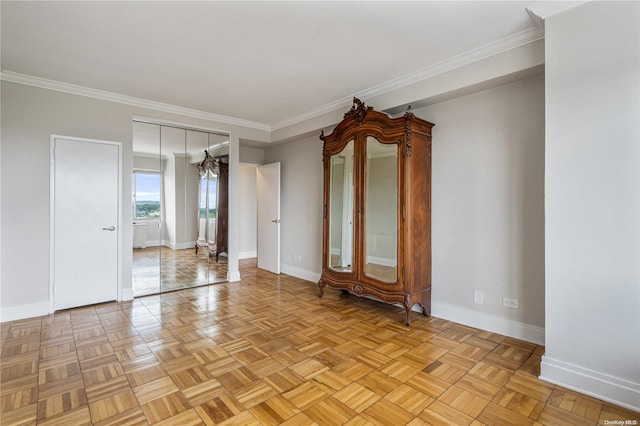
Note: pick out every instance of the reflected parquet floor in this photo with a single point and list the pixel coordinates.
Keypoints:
(161, 269)
(268, 351)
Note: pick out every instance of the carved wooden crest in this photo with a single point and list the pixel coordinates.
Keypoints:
(407, 142)
(408, 116)
(358, 110)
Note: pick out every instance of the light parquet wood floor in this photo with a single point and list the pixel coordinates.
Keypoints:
(268, 351)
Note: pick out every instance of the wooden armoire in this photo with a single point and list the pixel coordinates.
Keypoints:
(377, 208)
(222, 210)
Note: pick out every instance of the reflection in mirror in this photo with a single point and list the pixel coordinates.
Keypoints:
(174, 241)
(381, 222)
(341, 210)
(147, 212)
(213, 206)
(166, 209)
(208, 173)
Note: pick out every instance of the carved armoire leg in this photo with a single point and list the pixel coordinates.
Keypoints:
(407, 308)
(321, 285)
(407, 321)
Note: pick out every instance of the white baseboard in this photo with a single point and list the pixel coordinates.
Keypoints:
(233, 276)
(147, 244)
(183, 246)
(127, 294)
(14, 313)
(247, 254)
(495, 324)
(382, 261)
(180, 246)
(589, 382)
(304, 274)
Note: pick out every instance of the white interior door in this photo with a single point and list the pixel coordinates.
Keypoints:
(85, 200)
(268, 189)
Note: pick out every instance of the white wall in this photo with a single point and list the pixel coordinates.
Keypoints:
(169, 210)
(593, 201)
(337, 205)
(191, 207)
(300, 206)
(251, 155)
(382, 208)
(29, 117)
(147, 163)
(248, 219)
(488, 208)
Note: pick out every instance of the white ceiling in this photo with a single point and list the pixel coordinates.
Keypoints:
(265, 62)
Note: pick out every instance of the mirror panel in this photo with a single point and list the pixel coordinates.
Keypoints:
(147, 212)
(173, 152)
(341, 210)
(381, 222)
(197, 261)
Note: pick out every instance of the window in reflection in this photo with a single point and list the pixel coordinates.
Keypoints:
(341, 210)
(381, 223)
(146, 195)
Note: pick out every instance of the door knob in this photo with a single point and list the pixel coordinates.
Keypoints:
(110, 228)
(276, 221)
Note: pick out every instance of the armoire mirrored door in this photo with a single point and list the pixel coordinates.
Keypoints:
(169, 198)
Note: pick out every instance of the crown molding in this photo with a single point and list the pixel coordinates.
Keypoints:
(504, 45)
(541, 10)
(492, 49)
(59, 86)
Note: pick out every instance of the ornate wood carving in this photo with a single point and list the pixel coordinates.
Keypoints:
(408, 116)
(358, 110)
(407, 142)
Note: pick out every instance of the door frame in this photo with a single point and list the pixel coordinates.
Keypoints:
(52, 193)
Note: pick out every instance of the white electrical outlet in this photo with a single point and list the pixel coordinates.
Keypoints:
(478, 297)
(510, 303)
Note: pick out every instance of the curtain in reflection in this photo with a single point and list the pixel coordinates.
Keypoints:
(207, 171)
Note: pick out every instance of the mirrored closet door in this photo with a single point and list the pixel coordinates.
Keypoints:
(175, 208)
